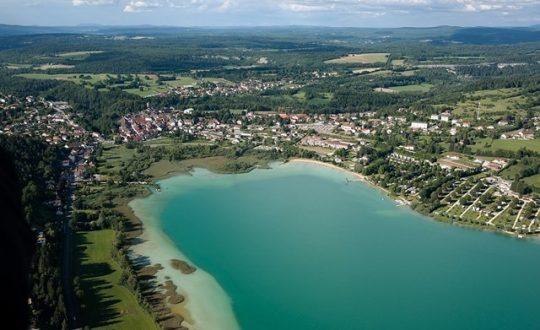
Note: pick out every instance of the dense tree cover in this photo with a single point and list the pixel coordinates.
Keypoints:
(10, 85)
(39, 172)
(495, 35)
(292, 56)
(95, 110)
(527, 166)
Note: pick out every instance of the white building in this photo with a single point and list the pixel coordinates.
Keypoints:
(419, 125)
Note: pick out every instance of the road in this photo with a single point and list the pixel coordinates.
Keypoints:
(490, 222)
(457, 202)
(534, 220)
(519, 215)
(72, 307)
(475, 201)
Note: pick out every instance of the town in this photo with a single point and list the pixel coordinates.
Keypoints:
(473, 192)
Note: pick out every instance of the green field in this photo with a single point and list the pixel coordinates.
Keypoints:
(322, 98)
(491, 103)
(113, 158)
(408, 73)
(76, 78)
(216, 81)
(79, 55)
(217, 164)
(512, 145)
(366, 70)
(420, 88)
(168, 142)
(511, 172)
(105, 304)
(149, 81)
(367, 58)
(383, 73)
(533, 180)
(14, 66)
(50, 66)
(385, 90)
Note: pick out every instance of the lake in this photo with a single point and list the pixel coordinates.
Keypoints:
(302, 246)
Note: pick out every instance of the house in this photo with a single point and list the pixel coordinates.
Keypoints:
(445, 116)
(348, 128)
(419, 125)
(283, 116)
(365, 131)
(495, 165)
(318, 142)
(520, 134)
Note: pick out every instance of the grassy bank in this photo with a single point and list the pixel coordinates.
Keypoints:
(510, 145)
(105, 303)
(217, 164)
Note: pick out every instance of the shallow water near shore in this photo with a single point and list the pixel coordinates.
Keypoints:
(302, 246)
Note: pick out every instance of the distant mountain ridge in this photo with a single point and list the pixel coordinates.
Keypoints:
(438, 34)
(482, 35)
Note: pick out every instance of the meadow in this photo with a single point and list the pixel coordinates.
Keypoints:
(105, 303)
(489, 103)
(114, 157)
(150, 83)
(398, 62)
(80, 55)
(533, 180)
(367, 58)
(418, 88)
(511, 145)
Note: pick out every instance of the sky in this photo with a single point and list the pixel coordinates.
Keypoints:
(353, 13)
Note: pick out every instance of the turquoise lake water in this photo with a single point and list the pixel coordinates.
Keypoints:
(298, 247)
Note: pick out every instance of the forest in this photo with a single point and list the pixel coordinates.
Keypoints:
(296, 60)
(38, 166)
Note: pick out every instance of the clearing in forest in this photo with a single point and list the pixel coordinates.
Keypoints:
(367, 58)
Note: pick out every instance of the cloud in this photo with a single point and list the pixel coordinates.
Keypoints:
(139, 6)
(307, 7)
(93, 2)
(503, 6)
(349, 6)
(316, 9)
(201, 5)
(364, 7)
(225, 5)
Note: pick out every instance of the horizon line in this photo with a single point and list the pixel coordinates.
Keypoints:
(90, 25)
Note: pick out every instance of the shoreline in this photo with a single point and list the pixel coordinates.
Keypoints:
(362, 178)
(403, 202)
(153, 239)
(193, 287)
(150, 236)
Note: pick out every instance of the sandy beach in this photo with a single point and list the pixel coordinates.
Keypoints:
(206, 305)
(359, 176)
(320, 163)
